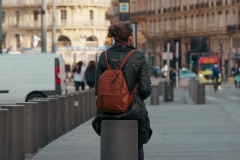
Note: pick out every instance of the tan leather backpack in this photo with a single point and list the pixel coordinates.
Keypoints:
(113, 95)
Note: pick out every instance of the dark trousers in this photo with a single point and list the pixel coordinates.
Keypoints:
(90, 84)
(140, 152)
(77, 84)
(237, 84)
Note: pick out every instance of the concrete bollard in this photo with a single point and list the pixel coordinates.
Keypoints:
(74, 117)
(92, 102)
(31, 127)
(52, 118)
(161, 88)
(154, 100)
(80, 107)
(89, 104)
(86, 105)
(42, 122)
(61, 114)
(119, 140)
(4, 133)
(68, 113)
(168, 91)
(201, 93)
(16, 131)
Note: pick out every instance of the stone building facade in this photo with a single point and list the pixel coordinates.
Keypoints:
(81, 27)
(202, 27)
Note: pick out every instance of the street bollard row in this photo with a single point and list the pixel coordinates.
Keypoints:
(197, 91)
(26, 127)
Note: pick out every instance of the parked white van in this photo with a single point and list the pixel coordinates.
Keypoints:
(30, 76)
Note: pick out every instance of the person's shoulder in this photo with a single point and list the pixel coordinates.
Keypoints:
(138, 53)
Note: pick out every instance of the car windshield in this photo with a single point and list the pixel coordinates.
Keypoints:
(205, 67)
(186, 72)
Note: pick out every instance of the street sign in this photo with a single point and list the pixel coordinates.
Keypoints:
(124, 10)
(124, 7)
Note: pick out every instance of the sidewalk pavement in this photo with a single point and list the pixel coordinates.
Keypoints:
(180, 132)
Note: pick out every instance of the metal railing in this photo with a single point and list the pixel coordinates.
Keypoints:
(31, 125)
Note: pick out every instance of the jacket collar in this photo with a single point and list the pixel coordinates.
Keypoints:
(116, 44)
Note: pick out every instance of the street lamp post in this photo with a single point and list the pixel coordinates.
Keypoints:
(43, 27)
(1, 26)
(53, 26)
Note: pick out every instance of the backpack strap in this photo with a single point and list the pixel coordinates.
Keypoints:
(126, 58)
(106, 57)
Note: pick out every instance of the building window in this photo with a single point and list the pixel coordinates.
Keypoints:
(212, 19)
(166, 26)
(63, 16)
(227, 19)
(220, 19)
(185, 22)
(17, 16)
(154, 26)
(35, 15)
(159, 26)
(192, 22)
(91, 14)
(197, 21)
(18, 41)
(3, 17)
(207, 23)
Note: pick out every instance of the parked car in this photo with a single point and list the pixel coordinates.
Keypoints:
(187, 74)
(25, 77)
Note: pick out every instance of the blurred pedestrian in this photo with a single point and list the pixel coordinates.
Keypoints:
(78, 75)
(90, 74)
(236, 74)
(135, 72)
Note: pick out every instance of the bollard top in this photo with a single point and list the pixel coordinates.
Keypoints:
(4, 110)
(26, 103)
(12, 106)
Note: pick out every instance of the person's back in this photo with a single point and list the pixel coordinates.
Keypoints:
(135, 70)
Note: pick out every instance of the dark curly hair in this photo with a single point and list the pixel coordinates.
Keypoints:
(120, 31)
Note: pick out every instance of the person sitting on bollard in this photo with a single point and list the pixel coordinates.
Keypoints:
(135, 71)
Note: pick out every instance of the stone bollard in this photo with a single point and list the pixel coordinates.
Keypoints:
(154, 100)
(61, 114)
(89, 104)
(42, 122)
(168, 91)
(74, 114)
(16, 131)
(84, 113)
(119, 140)
(201, 94)
(161, 88)
(31, 127)
(4, 134)
(94, 102)
(86, 106)
(80, 107)
(52, 118)
(68, 113)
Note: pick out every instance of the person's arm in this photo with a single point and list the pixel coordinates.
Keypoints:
(144, 80)
(101, 67)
